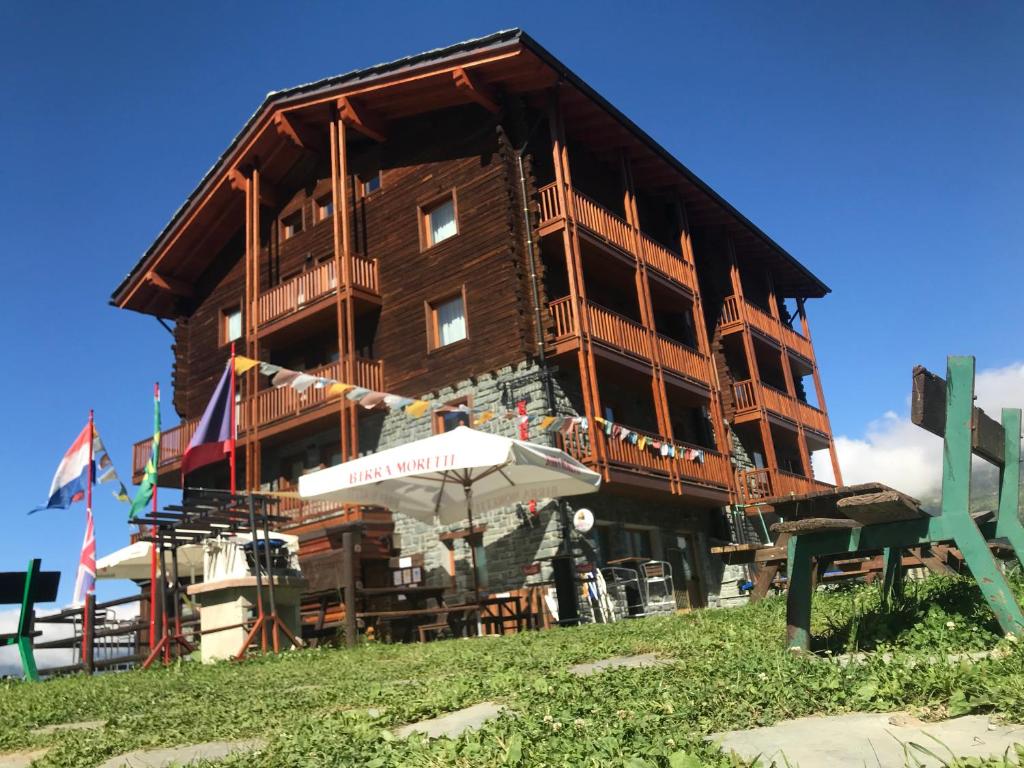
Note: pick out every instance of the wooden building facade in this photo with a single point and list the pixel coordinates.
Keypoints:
(479, 213)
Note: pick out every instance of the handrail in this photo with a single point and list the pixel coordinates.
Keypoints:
(751, 395)
(618, 232)
(734, 311)
(312, 285)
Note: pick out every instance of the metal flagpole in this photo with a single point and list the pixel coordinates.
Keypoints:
(234, 426)
(87, 616)
(152, 552)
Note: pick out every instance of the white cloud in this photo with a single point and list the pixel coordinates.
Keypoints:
(895, 452)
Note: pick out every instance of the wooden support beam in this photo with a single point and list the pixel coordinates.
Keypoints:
(358, 118)
(268, 195)
(170, 284)
(470, 86)
(928, 411)
(296, 131)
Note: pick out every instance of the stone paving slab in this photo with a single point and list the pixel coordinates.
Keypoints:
(21, 759)
(85, 725)
(641, 660)
(179, 756)
(453, 724)
(870, 739)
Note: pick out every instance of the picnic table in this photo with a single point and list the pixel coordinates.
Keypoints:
(848, 522)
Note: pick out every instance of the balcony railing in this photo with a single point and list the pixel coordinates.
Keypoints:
(714, 471)
(632, 338)
(301, 510)
(299, 292)
(735, 311)
(760, 484)
(751, 395)
(617, 231)
(683, 360)
(272, 405)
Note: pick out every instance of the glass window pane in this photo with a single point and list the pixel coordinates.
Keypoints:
(234, 324)
(442, 222)
(451, 322)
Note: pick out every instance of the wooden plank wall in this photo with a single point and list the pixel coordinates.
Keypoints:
(462, 149)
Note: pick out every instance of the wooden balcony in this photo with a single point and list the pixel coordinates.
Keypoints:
(735, 313)
(301, 511)
(305, 290)
(274, 408)
(714, 473)
(630, 338)
(609, 228)
(752, 397)
(755, 485)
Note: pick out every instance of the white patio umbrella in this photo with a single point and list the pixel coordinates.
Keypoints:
(447, 477)
(132, 561)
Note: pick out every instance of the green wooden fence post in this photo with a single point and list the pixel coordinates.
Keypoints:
(892, 575)
(1008, 522)
(25, 622)
(956, 496)
(799, 589)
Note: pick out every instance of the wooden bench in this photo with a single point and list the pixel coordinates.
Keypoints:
(26, 589)
(890, 523)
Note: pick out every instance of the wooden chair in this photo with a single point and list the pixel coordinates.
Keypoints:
(28, 588)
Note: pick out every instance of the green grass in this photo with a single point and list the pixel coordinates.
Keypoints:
(732, 672)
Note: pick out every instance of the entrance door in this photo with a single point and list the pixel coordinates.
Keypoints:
(681, 557)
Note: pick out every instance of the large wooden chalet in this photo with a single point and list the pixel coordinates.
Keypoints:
(476, 225)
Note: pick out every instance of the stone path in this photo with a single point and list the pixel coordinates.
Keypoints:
(870, 739)
(168, 756)
(21, 759)
(85, 725)
(642, 660)
(453, 724)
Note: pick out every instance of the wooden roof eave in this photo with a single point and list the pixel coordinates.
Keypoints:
(325, 92)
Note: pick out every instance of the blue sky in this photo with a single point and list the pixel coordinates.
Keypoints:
(878, 144)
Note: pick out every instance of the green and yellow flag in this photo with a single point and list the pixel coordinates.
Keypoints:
(145, 492)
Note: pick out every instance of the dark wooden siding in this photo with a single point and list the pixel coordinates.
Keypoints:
(464, 150)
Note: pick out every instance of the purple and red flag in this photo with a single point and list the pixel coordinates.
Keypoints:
(214, 438)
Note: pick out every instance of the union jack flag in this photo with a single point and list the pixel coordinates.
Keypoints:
(85, 582)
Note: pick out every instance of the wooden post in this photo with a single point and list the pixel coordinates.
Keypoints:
(348, 584)
(799, 567)
(1008, 522)
(659, 394)
(802, 309)
(700, 325)
(956, 496)
(339, 201)
(577, 286)
(892, 575)
(88, 632)
(767, 443)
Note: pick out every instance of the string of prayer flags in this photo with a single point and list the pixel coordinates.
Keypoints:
(243, 364)
(336, 388)
(417, 408)
(484, 417)
(643, 442)
(546, 422)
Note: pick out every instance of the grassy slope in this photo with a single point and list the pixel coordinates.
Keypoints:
(732, 673)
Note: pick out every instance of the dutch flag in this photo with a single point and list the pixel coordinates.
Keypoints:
(71, 478)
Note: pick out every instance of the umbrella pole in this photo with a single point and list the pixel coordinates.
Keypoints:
(472, 554)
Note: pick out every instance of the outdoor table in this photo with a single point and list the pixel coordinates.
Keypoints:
(403, 619)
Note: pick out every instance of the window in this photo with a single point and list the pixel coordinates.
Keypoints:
(446, 421)
(324, 208)
(439, 221)
(371, 184)
(231, 325)
(292, 225)
(447, 321)
(637, 542)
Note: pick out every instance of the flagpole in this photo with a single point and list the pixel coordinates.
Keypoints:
(234, 426)
(152, 554)
(87, 614)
